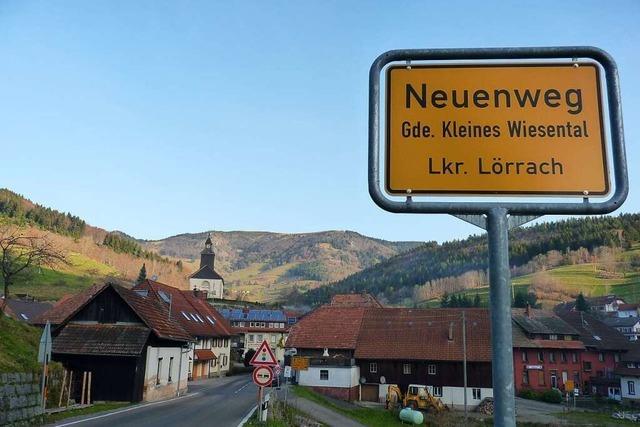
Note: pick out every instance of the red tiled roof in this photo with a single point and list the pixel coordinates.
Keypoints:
(68, 305)
(423, 334)
(521, 340)
(189, 310)
(153, 314)
(203, 354)
(327, 327)
(355, 300)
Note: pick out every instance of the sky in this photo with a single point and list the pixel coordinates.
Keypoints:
(159, 118)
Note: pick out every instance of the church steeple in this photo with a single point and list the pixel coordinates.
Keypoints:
(207, 256)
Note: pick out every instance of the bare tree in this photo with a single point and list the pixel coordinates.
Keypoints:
(20, 252)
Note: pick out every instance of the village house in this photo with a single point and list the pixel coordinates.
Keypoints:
(24, 309)
(209, 354)
(628, 310)
(356, 349)
(604, 348)
(328, 337)
(629, 326)
(206, 279)
(252, 326)
(128, 341)
(405, 346)
(546, 351)
(628, 372)
(607, 304)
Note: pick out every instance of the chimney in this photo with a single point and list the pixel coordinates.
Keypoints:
(527, 311)
(450, 337)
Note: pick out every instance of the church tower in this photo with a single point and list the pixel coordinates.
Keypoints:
(206, 279)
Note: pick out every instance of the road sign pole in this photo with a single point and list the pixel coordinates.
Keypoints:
(500, 301)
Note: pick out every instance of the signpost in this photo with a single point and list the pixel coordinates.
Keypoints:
(44, 356)
(264, 361)
(299, 363)
(516, 124)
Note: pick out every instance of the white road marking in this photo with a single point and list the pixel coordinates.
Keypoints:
(133, 408)
(245, 419)
(241, 388)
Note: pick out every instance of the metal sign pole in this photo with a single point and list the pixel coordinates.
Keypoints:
(500, 300)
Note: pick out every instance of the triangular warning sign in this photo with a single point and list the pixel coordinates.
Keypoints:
(264, 356)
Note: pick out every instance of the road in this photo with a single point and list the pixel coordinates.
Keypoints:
(222, 402)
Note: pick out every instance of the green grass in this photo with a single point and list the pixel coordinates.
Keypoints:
(18, 346)
(98, 407)
(46, 284)
(593, 419)
(573, 279)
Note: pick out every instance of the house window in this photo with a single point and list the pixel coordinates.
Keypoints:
(431, 369)
(524, 356)
(616, 357)
(586, 366)
(574, 357)
(630, 365)
(552, 357)
(373, 367)
(406, 368)
(251, 338)
(540, 377)
(563, 357)
(600, 357)
(225, 359)
(273, 339)
(260, 337)
(477, 395)
(553, 337)
(540, 356)
(159, 371)
(525, 377)
(437, 391)
(631, 386)
(324, 374)
(170, 368)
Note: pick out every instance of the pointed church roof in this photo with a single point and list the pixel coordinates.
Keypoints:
(206, 272)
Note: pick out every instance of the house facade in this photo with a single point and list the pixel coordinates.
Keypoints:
(604, 348)
(628, 310)
(356, 351)
(628, 374)
(253, 326)
(126, 340)
(209, 353)
(546, 351)
(628, 326)
(206, 279)
(404, 346)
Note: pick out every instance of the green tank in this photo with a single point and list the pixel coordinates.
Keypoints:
(410, 416)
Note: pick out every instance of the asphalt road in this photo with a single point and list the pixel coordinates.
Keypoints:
(222, 402)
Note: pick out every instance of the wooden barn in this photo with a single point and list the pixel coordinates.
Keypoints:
(129, 343)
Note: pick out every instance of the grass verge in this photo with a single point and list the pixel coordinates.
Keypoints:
(18, 346)
(98, 407)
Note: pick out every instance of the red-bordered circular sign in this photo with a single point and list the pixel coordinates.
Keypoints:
(262, 376)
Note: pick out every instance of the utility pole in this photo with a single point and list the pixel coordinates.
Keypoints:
(464, 360)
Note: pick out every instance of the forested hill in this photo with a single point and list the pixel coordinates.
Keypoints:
(449, 266)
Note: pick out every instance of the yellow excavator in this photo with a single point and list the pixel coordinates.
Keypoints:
(417, 397)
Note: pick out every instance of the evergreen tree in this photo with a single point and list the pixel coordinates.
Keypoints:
(444, 301)
(581, 303)
(142, 276)
(476, 301)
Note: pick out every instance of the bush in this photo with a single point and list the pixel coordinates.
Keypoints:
(551, 396)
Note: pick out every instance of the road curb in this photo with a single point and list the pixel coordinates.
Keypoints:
(246, 418)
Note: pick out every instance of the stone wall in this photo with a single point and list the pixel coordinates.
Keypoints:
(20, 402)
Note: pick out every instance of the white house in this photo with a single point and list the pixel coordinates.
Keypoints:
(629, 326)
(206, 279)
(628, 310)
(629, 373)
